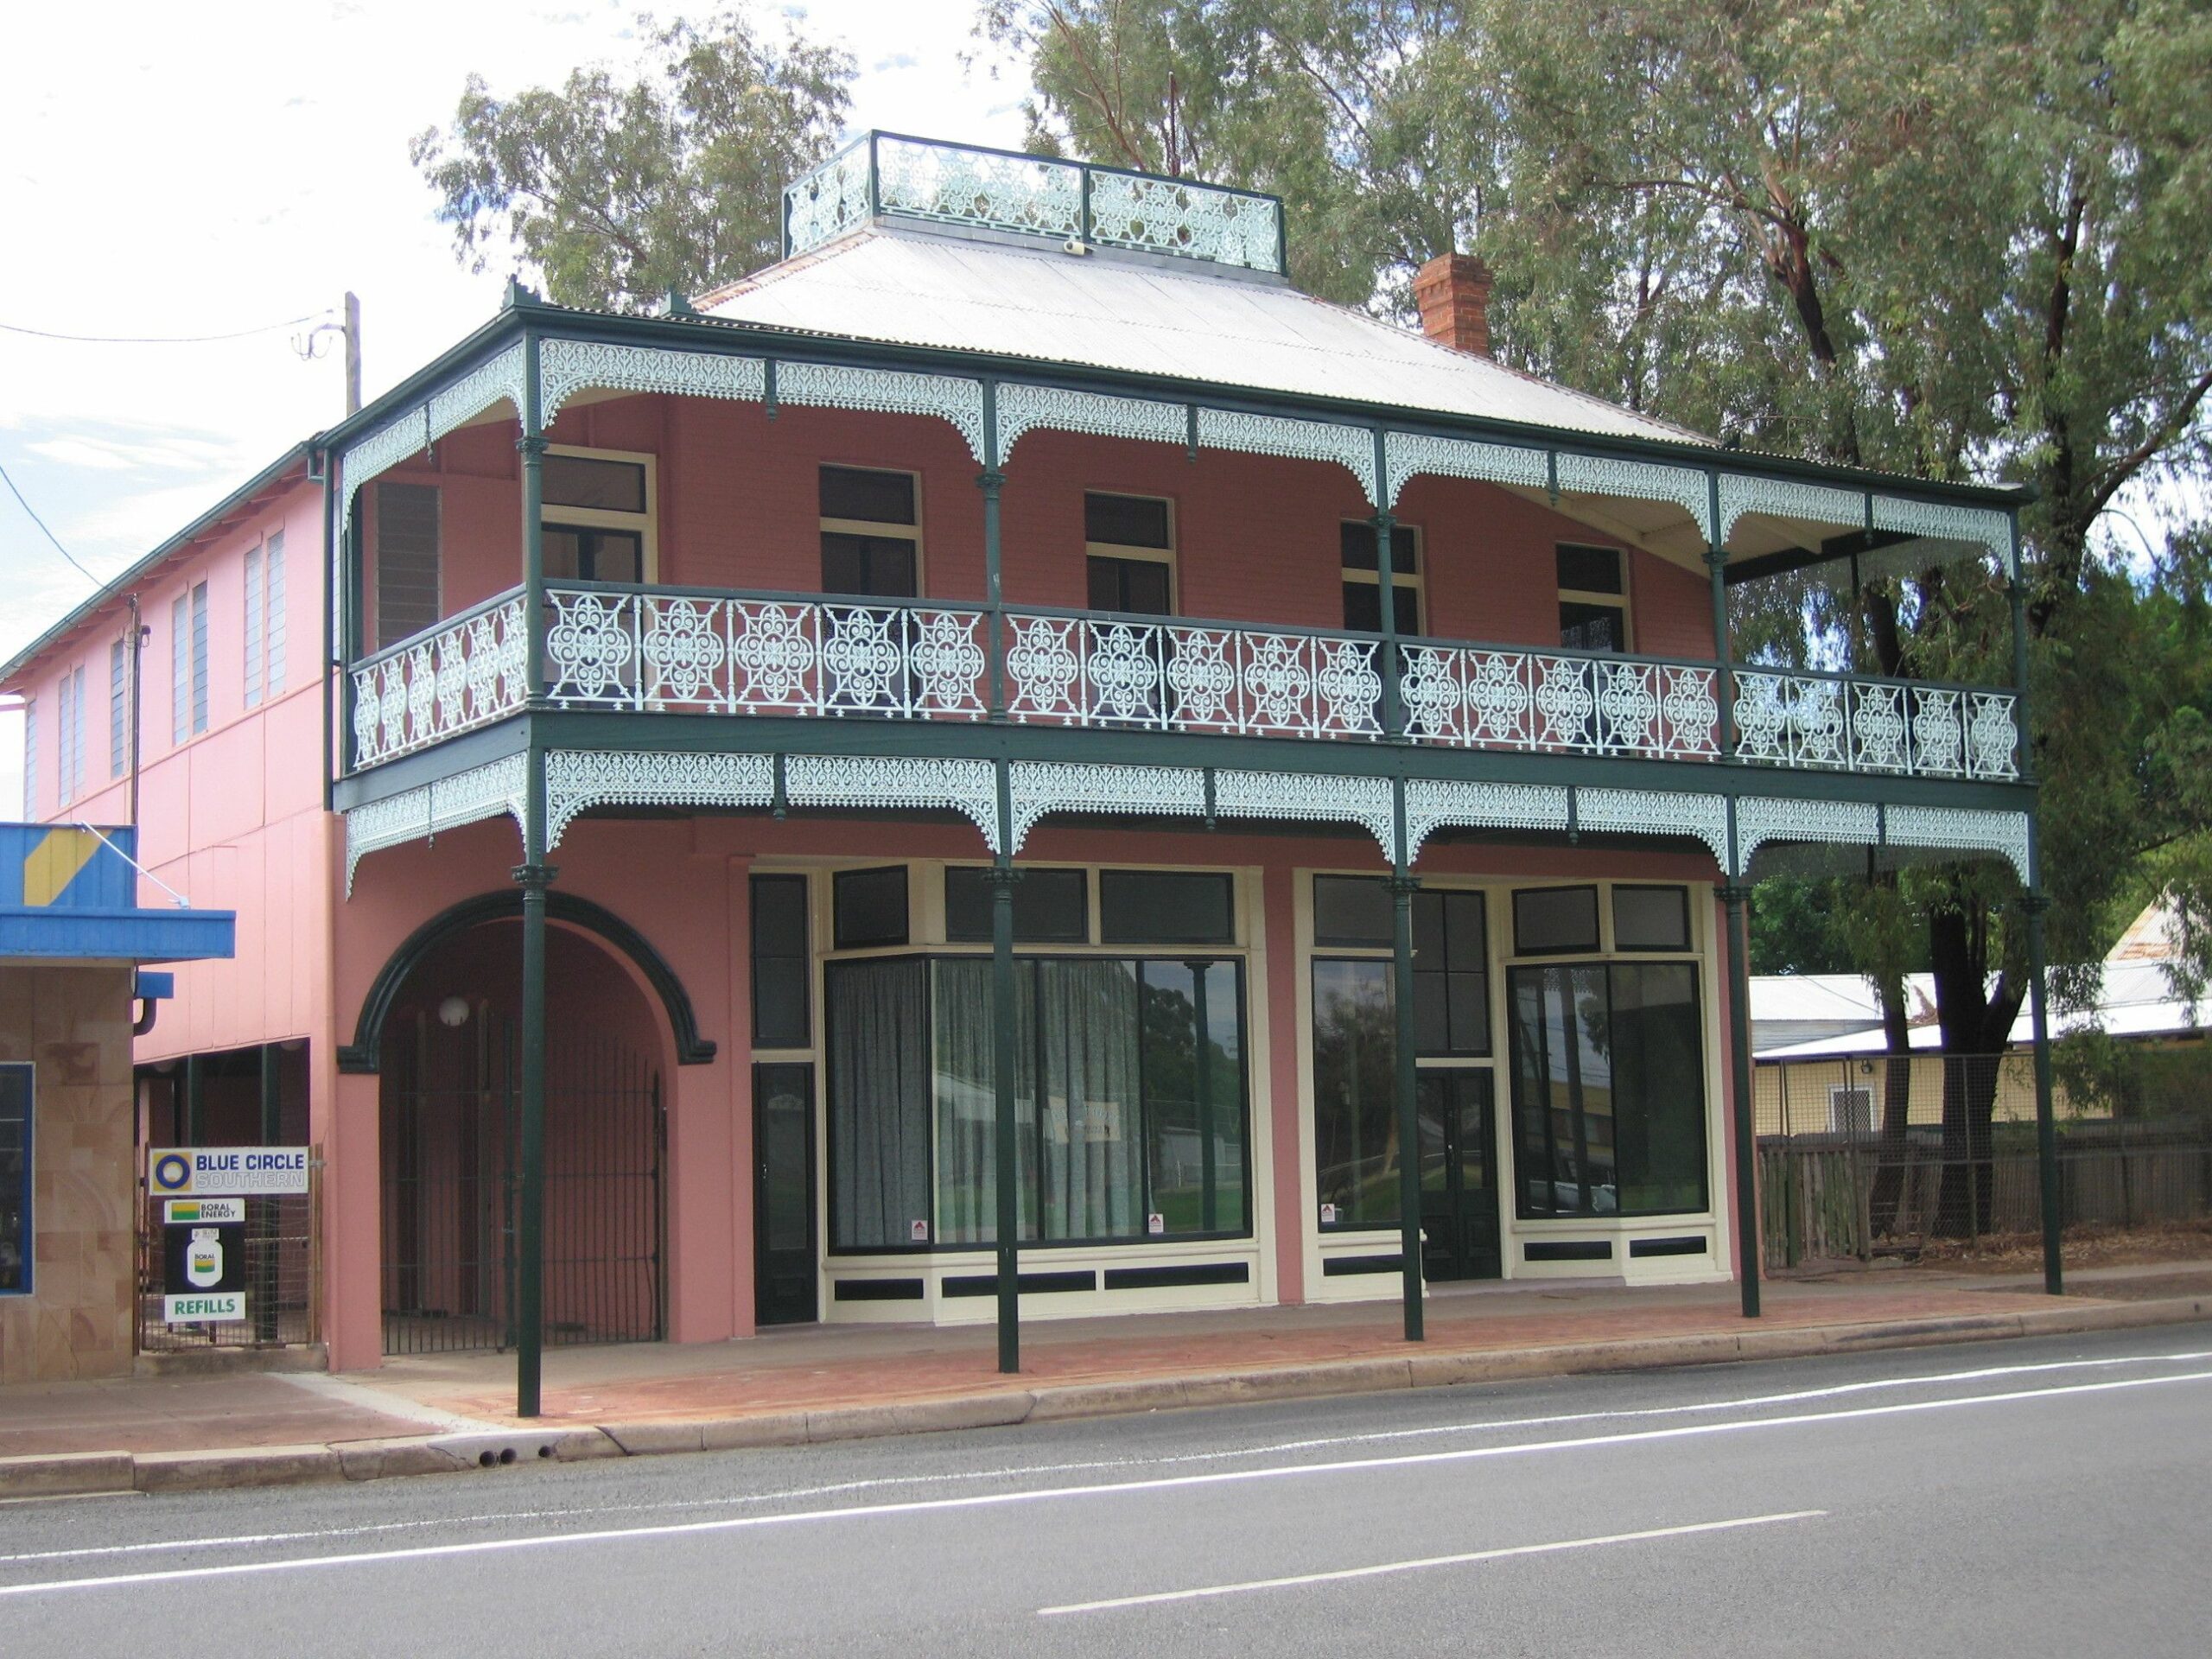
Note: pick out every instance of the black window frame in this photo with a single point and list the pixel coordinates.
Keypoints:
(1680, 890)
(804, 960)
(929, 960)
(1596, 922)
(838, 887)
(1322, 941)
(1227, 937)
(1057, 874)
(1446, 973)
(1608, 966)
(19, 1203)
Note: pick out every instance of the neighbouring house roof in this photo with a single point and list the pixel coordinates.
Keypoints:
(2150, 938)
(1129, 312)
(2137, 1001)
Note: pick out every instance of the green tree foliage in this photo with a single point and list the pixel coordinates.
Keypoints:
(1953, 238)
(617, 188)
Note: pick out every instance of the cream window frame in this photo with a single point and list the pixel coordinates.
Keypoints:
(1166, 555)
(1418, 580)
(550, 515)
(1621, 601)
(879, 527)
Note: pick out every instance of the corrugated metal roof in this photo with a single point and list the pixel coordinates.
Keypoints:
(906, 285)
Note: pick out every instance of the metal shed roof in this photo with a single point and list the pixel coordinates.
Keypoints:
(966, 290)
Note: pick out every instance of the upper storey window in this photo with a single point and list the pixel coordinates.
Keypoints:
(265, 619)
(1363, 578)
(188, 663)
(1592, 598)
(1130, 544)
(597, 515)
(408, 576)
(871, 533)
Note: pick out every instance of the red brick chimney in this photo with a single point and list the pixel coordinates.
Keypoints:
(1452, 292)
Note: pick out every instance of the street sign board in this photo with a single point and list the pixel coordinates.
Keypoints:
(205, 1307)
(231, 1172)
(179, 1211)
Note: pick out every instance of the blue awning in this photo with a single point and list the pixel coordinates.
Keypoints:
(70, 893)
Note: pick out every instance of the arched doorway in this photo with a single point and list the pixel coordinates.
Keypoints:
(449, 1106)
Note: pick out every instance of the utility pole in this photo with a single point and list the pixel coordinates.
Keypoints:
(310, 346)
(352, 353)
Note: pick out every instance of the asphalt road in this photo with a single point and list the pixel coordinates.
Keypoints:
(2048, 1497)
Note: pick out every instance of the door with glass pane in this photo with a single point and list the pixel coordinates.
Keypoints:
(1459, 1193)
(783, 1206)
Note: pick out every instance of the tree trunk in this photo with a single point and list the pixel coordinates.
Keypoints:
(1896, 1112)
(1976, 1026)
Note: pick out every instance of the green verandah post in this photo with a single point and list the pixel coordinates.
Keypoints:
(1403, 888)
(1007, 1161)
(1405, 1081)
(1007, 1173)
(535, 875)
(1735, 896)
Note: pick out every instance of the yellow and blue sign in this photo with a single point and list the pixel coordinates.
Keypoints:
(67, 892)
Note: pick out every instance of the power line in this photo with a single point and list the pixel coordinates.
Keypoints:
(159, 340)
(40, 523)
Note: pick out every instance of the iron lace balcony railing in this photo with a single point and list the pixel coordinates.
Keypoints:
(466, 671)
(1903, 727)
(698, 650)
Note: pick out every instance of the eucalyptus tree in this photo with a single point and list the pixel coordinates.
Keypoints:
(1959, 238)
(617, 187)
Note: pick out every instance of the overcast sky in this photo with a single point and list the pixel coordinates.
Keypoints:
(177, 168)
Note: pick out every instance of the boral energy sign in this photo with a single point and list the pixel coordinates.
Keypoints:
(229, 1171)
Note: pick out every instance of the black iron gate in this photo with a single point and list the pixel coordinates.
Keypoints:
(451, 1130)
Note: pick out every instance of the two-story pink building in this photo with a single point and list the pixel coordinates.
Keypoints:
(702, 793)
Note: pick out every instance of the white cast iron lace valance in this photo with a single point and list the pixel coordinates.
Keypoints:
(1642, 480)
(891, 392)
(1788, 498)
(1432, 805)
(1040, 787)
(1023, 407)
(497, 378)
(1409, 453)
(1657, 812)
(1963, 829)
(969, 787)
(1762, 819)
(1350, 447)
(420, 814)
(1310, 798)
(1949, 521)
(578, 779)
(567, 366)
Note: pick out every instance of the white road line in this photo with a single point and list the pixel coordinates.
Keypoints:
(1041, 1494)
(834, 1489)
(1426, 1561)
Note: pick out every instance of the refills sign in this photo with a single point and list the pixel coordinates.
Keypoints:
(203, 1272)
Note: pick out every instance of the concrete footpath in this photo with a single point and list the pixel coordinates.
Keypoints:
(450, 1414)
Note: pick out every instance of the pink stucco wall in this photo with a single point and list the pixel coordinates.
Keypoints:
(233, 816)
(1256, 537)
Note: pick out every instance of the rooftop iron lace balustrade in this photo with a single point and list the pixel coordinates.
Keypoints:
(690, 650)
(885, 174)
